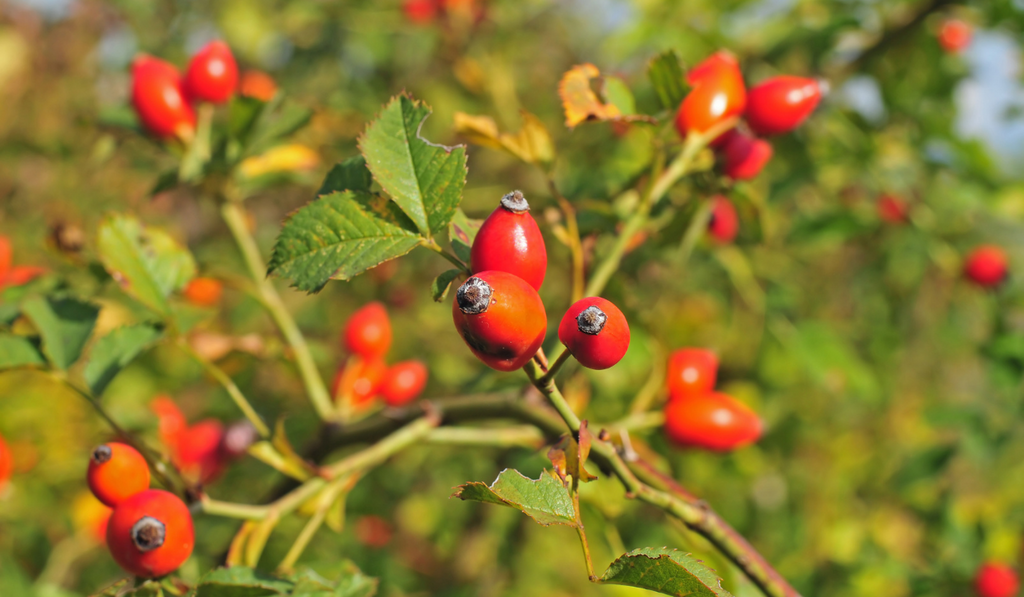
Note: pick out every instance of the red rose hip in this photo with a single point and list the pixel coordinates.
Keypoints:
(403, 382)
(954, 35)
(724, 223)
(158, 99)
(996, 580)
(116, 472)
(595, 332)
(744, 156)
(781, 104)
(691, 371)
(501, 318)
(718, 94)
(150, 534)
(212, 74)
(510, 241)
(713, 421)
(986, 266)
(368, 331)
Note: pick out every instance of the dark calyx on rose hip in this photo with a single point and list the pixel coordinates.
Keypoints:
(474, 296)
(591, 321)
(148, 534)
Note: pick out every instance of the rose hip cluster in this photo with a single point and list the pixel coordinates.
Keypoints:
(164, 100)
(696, 415)
(203, 451)
(498, 312)
(149, 532)
(365, 376)
(774, 107)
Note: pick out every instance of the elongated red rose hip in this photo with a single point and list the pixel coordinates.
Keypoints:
(501, 318)
(212, 74)
(158, 99)
(781, 104)
(510, 241)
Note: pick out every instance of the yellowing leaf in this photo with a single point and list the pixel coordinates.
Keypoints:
(531, 144)
(579, 100)
(283, 158)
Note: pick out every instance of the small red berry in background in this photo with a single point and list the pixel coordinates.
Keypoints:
(204, 292)
(170, 420)
(373, 531)
(198, 452)
(368, 331)
(360, 381)
(403, 382)
(724, 223)
(996, 580)
(158, 98)
(713, 421)
(986, 266)
(212, 74)
(595, 332)
(781, 104)
(691, 371)
(11, 275)
(510, 241)
(6, 463)
(744, 156)
(420, 12)
(893, 210)
(954, 35)
(718, 94)
(257, 84)
(116, 472)
(501, 319)
(150, 534)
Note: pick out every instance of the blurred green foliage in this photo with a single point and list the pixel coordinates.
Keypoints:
(893, 459)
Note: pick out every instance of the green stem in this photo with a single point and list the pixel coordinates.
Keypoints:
(229, 385)
(327, 499)
(234, 216)
(555, 366)
(379, 452)
(232, 510)
(525, 436)
(549, 389)
(433, 246)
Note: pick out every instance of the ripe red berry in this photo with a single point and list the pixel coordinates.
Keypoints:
(954, 35)
(892, 209)
(116, 472)
(198, 452)
(150, 534)
(373, 531)
(212, 74)
(996, 580)
(595, 332)
(781, 104)
(724, 223)
(6, 463)
(360, 381)
(257, 84)
(713, 421)
(158, 99)
(368, 331)
(403, 382)
(510, 241)
(501, 318)
(718, 94)
(204, 292)
(986, 266)
(744, 156)
(691, 371)
(420, 11)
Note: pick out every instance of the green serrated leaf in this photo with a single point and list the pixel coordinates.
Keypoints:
(617, 93)
(545, 500)
(423, 178)
(18, 351)
(340, 236)
(353, 583)
(146, 261)
(666, 74)
(442, 284)
(65, 325)
(241, 581)
(348, 175)
(666, 571)
(462, 232)
(115, 351)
